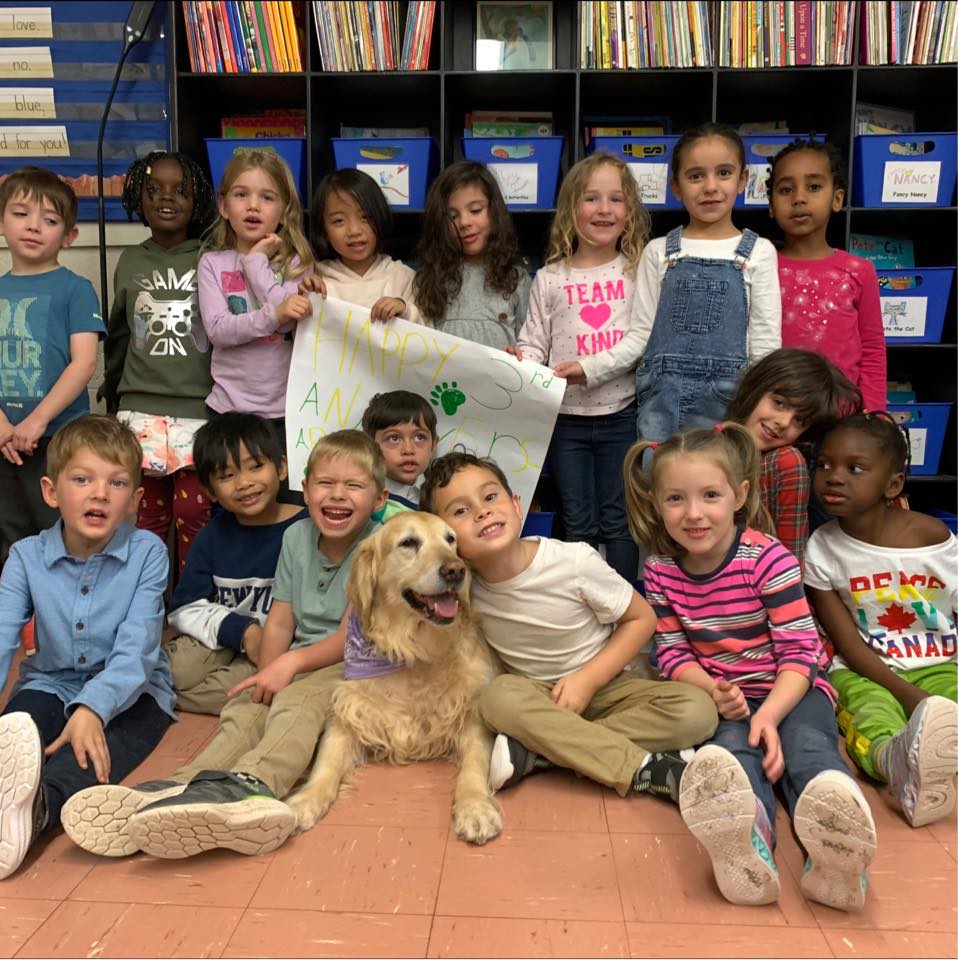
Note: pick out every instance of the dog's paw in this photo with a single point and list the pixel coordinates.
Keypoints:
(308, 811)
(478, 821)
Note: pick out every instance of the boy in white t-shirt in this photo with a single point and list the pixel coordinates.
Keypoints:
(565, 625)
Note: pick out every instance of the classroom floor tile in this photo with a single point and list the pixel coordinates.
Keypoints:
(577, 871)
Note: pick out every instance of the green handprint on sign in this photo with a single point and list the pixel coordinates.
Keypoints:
(449, 396)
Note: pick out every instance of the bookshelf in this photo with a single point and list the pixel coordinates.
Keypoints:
(818, 99)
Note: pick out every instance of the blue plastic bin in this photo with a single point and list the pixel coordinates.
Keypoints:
(914, 313)
(538, 524)
(926, 423)
(910, 169)
(403, 167)
(759, 150)
(649, 158)
(291, 149)
(527, 168)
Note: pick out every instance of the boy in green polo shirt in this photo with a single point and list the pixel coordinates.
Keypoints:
(229, 796)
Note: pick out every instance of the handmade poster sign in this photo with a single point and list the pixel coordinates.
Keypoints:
(485, 400)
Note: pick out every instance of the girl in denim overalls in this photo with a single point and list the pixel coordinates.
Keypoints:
(706, 301)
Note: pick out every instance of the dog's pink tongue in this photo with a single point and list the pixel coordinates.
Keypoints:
(447, 606)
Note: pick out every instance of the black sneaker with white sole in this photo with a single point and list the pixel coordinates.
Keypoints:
(23, 808)
(662, 774)
(98, 818)
(216, 810)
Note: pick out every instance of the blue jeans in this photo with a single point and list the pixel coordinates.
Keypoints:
(586, 455)
(809, 736)
(130, 737)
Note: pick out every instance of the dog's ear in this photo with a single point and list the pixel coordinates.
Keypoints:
(362, 579)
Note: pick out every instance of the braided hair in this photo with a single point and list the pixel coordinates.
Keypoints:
(203, 197)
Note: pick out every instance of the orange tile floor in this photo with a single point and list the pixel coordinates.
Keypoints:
(577, 872)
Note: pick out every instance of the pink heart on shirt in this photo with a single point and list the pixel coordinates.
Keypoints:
(595, 316)
(233, 281)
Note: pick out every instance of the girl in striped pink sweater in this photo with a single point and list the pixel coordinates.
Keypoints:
(733, 620)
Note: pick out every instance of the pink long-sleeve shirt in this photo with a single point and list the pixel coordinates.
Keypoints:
(832, 306)
(238, 295)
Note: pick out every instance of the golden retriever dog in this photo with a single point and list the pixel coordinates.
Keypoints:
(419, 661)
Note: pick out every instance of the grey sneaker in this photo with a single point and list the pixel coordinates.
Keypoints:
(23, 809)
(726, 817)
(98, 818)
(662, 774)
(217, 810)
(509, 763)
(836, 829)
(920, 762)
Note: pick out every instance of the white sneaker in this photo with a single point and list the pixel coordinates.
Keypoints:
(835, 826)
(21, 801)
(726, 817)
(920, 762)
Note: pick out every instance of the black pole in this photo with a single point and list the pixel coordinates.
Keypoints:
(133, 31)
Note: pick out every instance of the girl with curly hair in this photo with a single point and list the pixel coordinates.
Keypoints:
(471, 281)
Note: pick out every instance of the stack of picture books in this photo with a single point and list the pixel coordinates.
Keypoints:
(269, 123)
(254, 36)
(909, 32)
(628, 35)
(773, 33)
(497, 123)
(874, 118)
(371, 36)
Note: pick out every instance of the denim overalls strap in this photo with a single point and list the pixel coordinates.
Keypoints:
(698, 345)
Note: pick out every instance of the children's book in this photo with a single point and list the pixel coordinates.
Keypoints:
(886, 253)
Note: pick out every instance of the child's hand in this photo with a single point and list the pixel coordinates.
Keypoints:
(294, 308)
(312, 284)
(573, 691)
(385, 308)
(84, 732)
(571, 372)
(27, 433)
(515, 352)
(6, 431)
(729, 701)
(270, 680)
(269, 245)
(763, 730)
(252, 641)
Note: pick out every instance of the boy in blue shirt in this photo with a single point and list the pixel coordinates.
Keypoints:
(230, 795)
(49, 327)
(220, 604)
(97, 696)
(404, 426)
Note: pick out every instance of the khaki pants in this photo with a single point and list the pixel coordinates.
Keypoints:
(275, 743)
(202, 677)
(626, 719)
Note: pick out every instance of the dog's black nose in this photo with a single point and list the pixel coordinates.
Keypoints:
(453, 572)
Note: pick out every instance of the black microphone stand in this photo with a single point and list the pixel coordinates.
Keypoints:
(133, 31)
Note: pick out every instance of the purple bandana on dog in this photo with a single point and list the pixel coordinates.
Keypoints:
(361, 660)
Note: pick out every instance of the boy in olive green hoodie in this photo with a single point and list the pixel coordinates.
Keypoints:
(157, 357)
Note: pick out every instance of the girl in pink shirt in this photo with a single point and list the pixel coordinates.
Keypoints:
(580, 305)
(830, 301)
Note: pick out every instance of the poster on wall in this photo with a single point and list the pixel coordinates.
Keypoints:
(486, 401)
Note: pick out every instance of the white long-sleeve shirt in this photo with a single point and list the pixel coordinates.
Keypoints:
(761, 291)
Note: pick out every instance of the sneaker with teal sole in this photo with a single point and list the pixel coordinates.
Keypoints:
(217, 810)
(98, 818)
(835, 826)
(726, 817)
